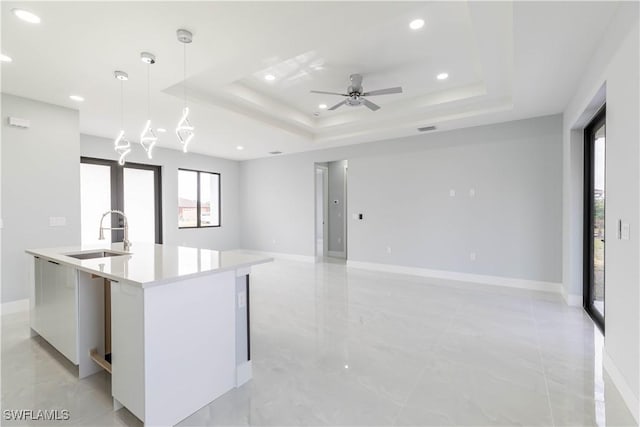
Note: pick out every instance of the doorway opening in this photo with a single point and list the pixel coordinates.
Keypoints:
(594, 218)
(330, 234)
(133, 188)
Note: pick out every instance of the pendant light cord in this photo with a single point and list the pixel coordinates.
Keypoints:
(121, 104)
(149, 91)
(184, 74)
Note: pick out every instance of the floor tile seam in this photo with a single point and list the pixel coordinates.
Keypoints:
(431, 352)
(544, 370)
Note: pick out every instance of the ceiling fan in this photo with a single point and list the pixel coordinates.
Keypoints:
(354, 95)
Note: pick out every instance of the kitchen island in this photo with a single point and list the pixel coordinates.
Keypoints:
(170, 323)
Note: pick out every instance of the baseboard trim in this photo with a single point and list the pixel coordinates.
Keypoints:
(631, 400)
(337, 254)
(281, 255)
(463, 277)
(14, 306)
(572, 300)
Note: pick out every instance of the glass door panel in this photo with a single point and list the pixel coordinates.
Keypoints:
(139, 204)
(95, 196)
(594, 218)
(598, 220)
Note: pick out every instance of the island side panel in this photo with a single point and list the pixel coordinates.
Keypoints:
(127, 347)
(190, 339)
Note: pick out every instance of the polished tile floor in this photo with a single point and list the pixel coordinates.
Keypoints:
(339, 346)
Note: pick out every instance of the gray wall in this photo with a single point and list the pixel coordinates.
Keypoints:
(513, 224)
(224, 237)
(337, 211)
(40, 179)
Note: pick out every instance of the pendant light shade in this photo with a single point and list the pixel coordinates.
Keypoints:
(184, 129)
(122, 146)
(148, 137)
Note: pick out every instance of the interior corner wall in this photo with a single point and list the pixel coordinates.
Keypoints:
(224, 237)
(615, 68)
(512, 222)
(40, 180)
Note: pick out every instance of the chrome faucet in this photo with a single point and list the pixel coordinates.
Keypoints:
(125, 227)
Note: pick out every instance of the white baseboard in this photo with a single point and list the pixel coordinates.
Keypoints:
(281, 255)
(15, 306)
(572, 300)
(243, 373)
(463, 277)
(620, 383)
(337, 254)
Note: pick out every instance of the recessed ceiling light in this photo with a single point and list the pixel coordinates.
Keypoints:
(5, 58)
(322, 106)
(269, 77)
(416, 24)
(240, 147)
(26, 16)
(442, 76)
(161, 130)
(76, 98)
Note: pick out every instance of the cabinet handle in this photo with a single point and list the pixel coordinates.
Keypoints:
(53, 262)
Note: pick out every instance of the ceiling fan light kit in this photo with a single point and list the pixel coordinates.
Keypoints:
(355, 94)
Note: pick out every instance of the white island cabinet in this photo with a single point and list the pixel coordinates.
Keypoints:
(170, 323)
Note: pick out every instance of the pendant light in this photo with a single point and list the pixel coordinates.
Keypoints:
(184, 130)
(148, 137)
(122, 146)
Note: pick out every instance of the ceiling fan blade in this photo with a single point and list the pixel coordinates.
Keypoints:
(339, 104)
(370, 105)
(328, 93)
(383, 91)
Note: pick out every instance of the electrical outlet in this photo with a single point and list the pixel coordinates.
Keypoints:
(472, 192)
(57, 221)
(242, 299)
(388, 249)
(472, 256)
(452, 193)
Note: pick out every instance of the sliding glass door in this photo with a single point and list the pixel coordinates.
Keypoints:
(594, 203)
(132, 188)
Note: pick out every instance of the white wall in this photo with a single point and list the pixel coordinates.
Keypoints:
(613, 72)
(40, 179)
(224, 237)
(402, 188)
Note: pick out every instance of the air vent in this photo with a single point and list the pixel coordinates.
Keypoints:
(275, 152)
(427, 128)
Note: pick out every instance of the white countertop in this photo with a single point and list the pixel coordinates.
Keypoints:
(148, 264)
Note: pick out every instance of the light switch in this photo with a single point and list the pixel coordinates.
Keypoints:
(472, 192)
(625, 231)
(452, 193)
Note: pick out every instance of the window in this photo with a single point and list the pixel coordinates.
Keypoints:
(198, 199)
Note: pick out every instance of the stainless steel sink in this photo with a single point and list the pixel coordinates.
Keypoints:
(92, 255)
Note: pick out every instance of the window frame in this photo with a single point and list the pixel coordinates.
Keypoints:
(198, 203)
